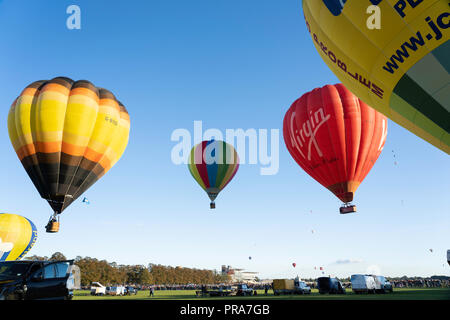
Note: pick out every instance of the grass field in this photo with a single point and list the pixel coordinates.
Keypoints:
(398, 294)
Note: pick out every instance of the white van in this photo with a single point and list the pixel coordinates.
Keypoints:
(115, 290)
(362, 283)
(97, 289)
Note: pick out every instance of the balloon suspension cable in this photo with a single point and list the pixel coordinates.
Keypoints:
(55, 216)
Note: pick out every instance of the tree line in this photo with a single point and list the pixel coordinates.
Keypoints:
(109, 273)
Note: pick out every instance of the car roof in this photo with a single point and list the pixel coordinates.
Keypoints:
(20, 261)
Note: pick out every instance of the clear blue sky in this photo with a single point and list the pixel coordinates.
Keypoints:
(231, 64)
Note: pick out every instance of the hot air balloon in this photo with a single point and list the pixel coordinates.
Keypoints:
(17, 236)
(213, 164)
(67, 134)
(400, 69)
(294, 264)
(336, 138)
(249, 258)
(448, 257)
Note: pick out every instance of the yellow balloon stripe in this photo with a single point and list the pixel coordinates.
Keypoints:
(194, 170)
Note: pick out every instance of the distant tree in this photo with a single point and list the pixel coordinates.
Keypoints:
(36, 258)
(57, 256)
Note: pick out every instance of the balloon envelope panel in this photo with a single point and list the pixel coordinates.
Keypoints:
(67, 134)
(401, 69)
(17, 236)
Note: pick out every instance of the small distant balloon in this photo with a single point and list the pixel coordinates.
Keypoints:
(86, 200)
(294, 264)
(249, 258)
(431, 250)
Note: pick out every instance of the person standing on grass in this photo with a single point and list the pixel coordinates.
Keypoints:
(152, 292)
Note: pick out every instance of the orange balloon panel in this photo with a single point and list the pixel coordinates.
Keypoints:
(335, 137)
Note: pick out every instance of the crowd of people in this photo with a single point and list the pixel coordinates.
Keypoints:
(421, 283)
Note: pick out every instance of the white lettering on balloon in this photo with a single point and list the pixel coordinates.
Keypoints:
(309, 130)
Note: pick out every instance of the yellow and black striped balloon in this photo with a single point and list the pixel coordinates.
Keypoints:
(67, 135)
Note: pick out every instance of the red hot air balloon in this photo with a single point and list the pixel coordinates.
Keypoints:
(294, 264)
(336, 138)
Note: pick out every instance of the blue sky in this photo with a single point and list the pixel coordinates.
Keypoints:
(230, 64)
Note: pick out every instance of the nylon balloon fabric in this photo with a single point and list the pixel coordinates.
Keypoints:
(401, 69)
(213, 164)
(67, 134)
(17, 236)
(335, 137)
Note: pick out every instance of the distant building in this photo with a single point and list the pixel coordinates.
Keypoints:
(239, 275)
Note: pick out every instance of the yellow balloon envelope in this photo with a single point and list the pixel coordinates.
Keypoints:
(67, 134)
(17, 236)
(400, 69)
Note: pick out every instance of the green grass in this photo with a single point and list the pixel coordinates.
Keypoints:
(398, 294)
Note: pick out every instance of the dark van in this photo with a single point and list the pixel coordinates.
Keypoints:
(32, 280)
(330, 286)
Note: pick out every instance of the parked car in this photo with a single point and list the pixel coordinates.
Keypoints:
(36, 280)
(363, 283)
(330, 285)
(304, 288)
(223, 291)
(97, 289)
(382, 285)
(243, 290)
(130, 291)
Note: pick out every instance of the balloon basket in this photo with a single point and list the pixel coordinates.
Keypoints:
(52, 227)
(53, 224)
(212, 205)
(347, 209)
